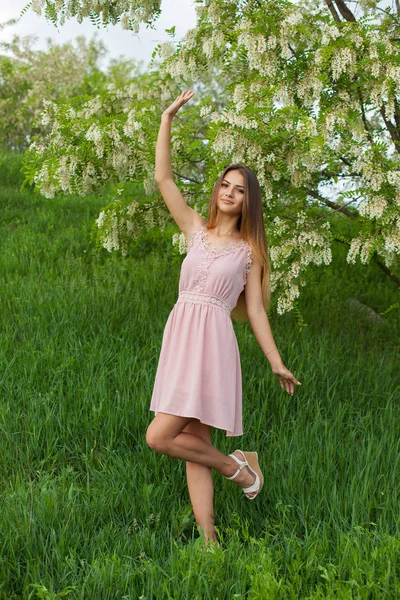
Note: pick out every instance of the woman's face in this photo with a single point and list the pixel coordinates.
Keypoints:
(231, 193)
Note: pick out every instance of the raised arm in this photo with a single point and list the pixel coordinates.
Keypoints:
(185, 217)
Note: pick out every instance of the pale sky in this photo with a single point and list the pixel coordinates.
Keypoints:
(118, 41)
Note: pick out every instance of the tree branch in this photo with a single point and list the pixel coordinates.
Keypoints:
(185, 177)
(392, 129)
(387, 271)
(331, 204)
(333, 10)
(346, 162)
(397, 114)
(345, 11)
(364, 118)
(330, 175)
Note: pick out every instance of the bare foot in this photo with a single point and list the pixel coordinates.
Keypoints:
(245, 478)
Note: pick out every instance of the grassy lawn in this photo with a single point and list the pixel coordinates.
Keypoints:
(88, 511)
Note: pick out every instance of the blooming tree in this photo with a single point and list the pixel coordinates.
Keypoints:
(29, 76)
(310, 101)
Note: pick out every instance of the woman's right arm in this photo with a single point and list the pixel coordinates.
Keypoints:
(185, 217)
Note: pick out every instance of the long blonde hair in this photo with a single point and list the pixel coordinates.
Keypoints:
(251, 228)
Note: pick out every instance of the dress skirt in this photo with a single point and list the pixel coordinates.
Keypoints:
(199, 373)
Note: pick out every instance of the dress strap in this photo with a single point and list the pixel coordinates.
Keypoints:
(247, 261)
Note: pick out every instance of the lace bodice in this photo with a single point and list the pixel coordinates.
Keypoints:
(220, 272)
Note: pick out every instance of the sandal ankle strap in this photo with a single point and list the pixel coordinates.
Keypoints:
(242, 464)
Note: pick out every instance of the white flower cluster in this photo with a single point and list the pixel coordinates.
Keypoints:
(45, 182)
(390, 108)
(393, 72)
(297, 251)
(392, 244)
(120, 223)
(94, 133)
(92, 107)
(362, 246)
(110, 237)
(180, 66)
(132, 125)
(166, 49)
(37, 147)
(367, 167)
(205, 110)
(224, 141)
(365, 251)
(190, 39)
(301, 218)
(374, 208)
(149, 184)
(239, 97)
(180, 240)
(238, 120)
(307, 126)
(380, 91)
(100, 219)
(255, 152)
(393, 178)
(48, 113)
(357, 39)
(63, 174)
(286, 299)
(280, 226)
(284, 95)
(210, 45)
(343, 60)
(214, 13)
(329, 32)
(256, 47)
(309, 89)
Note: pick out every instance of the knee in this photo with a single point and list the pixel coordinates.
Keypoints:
(155, 442)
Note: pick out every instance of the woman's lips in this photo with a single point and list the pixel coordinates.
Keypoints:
(227, 201)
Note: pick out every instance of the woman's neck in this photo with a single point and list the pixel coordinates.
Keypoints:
(226, 227)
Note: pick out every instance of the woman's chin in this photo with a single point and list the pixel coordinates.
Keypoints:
(228, 209)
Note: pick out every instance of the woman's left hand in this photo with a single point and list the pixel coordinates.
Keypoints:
(286, 378)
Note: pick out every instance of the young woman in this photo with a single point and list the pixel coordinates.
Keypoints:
(198, 381)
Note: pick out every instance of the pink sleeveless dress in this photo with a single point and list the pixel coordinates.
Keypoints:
(199, 373)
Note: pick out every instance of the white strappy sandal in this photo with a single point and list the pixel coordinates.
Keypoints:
(251, 461)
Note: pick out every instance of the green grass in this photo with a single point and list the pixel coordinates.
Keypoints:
(89, 511)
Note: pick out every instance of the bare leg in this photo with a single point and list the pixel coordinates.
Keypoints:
(165, 435)
(200, 484)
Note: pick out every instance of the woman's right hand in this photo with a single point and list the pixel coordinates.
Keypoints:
(184, 97)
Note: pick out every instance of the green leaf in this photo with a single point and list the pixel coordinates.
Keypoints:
(171, 31)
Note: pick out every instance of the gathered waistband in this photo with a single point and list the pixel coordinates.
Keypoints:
(206, 299)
